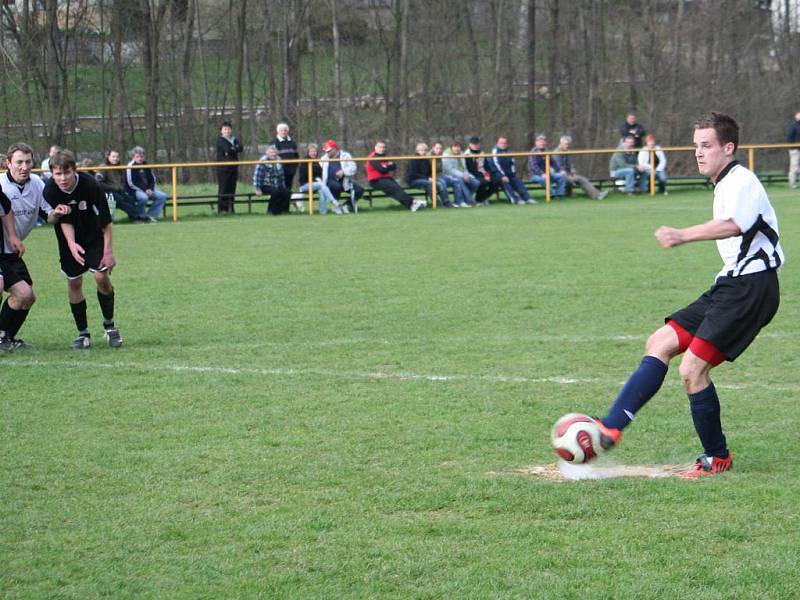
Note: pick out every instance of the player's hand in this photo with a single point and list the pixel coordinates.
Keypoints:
(77, 252)
(109, 262)
(148, 192)
(17, 247)
(504, 179)
(669, 237)
(62, 210)
(339, 174)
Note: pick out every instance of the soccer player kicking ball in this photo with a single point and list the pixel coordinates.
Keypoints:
(84, 243)
(721, 323)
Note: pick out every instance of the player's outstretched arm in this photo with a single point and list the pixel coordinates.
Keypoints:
(108, 252)
(11, 235)
(75, 248)
(714, 229)
(59, 211)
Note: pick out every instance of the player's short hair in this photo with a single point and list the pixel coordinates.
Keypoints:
(64, 160)
(725, 126)
(19, 147)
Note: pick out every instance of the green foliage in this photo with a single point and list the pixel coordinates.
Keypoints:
(333, 407)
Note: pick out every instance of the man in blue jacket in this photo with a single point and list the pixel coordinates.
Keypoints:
(504, 174)
(140, 181)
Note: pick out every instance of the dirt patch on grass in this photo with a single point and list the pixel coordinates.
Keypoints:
(563, 471)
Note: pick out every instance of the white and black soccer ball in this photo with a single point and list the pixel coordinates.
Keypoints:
(576, 438)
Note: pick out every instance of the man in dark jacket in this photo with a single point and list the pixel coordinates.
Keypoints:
(504, 174)
(287, 150)
(140, 181)
(228, 150)
(479, 169)
(632, 127)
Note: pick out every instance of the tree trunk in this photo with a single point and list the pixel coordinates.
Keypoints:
(337, 74)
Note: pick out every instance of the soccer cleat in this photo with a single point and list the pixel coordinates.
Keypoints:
(602, 195)
(531, 201)
(709, 465)
(609, 437)
(81, 342)
(417, 204)
(7, 344)
(113, 337)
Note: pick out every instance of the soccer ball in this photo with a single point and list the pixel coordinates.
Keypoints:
(576, 438)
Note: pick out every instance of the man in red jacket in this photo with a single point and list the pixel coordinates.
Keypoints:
(380, 176)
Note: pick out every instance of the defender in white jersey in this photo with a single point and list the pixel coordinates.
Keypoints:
(722, 322)
(24, 192)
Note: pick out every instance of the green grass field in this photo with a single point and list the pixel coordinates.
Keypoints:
(335, 407)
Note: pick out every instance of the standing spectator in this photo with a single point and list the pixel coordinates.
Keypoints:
(504, 174)
(380, 174)
(84, 244)
(624, 164)
(317, 183)
(537, 167)
(141, 182)
(461, 193)
(112, 183)
(269, 179)
(419, 174)
(661, 164)
(631, 127)
(573, 177)
(228, 151)
(455, 166)
(45, 174)
(477, 166)
(3, 162)
(793, 137)
(287, 150)
(338, 170)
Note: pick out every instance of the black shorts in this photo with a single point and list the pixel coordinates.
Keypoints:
(13, 270)
(732, 312)
(92, 257)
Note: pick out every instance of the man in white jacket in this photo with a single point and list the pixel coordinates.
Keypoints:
(660, 159)
(338, 170)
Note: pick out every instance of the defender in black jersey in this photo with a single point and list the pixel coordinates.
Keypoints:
(723, 321)
(84, 243)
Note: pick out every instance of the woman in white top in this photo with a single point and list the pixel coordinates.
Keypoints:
(660, 159)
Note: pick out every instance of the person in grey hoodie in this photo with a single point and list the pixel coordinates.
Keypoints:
(454, 166)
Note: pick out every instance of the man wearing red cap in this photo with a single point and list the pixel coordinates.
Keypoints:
(338, 170)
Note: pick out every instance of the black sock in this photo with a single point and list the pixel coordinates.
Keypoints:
(5, 315)
(706, 416)
(107, 308)
(15, 320)
(79, 314)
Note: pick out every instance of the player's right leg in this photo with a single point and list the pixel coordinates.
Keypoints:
(77, 304)
(15, 310)
(641, 385)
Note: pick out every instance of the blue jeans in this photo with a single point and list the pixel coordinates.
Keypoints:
(441, 188)
(325, 195)
(514, 189)
(559, 180)
(661, 180)
(462, 190)
(629, 173)
(159, 199)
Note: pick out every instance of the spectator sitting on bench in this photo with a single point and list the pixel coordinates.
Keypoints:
(573, 177)
(623, 164)
(338, 170)
(317, 184)
(504, 174)
(661, 164)
(419, 175)
(380, 174)
(268, 178)
(111, 182)
(141, 183)
(537, 167)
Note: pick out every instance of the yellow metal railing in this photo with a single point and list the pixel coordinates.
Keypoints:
(751, 148)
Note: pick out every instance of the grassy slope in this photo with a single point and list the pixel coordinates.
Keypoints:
(243, 445)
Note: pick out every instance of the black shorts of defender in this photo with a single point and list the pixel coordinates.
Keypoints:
(92, 257)
(732, 312)
(14, 270)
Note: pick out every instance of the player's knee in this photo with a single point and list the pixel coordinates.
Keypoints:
(662, 343)
(21, 298)
(693, 373)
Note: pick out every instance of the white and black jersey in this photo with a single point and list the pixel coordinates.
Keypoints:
(740, 197)
(27, 204)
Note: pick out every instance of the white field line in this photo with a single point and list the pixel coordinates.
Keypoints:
(353, 375)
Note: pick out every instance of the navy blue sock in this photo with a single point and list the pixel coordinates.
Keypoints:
(707, 424)
(640, 387)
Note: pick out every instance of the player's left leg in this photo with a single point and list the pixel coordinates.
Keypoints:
(695, 370)
(105, 296)
(13, 314)
(77, 304)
